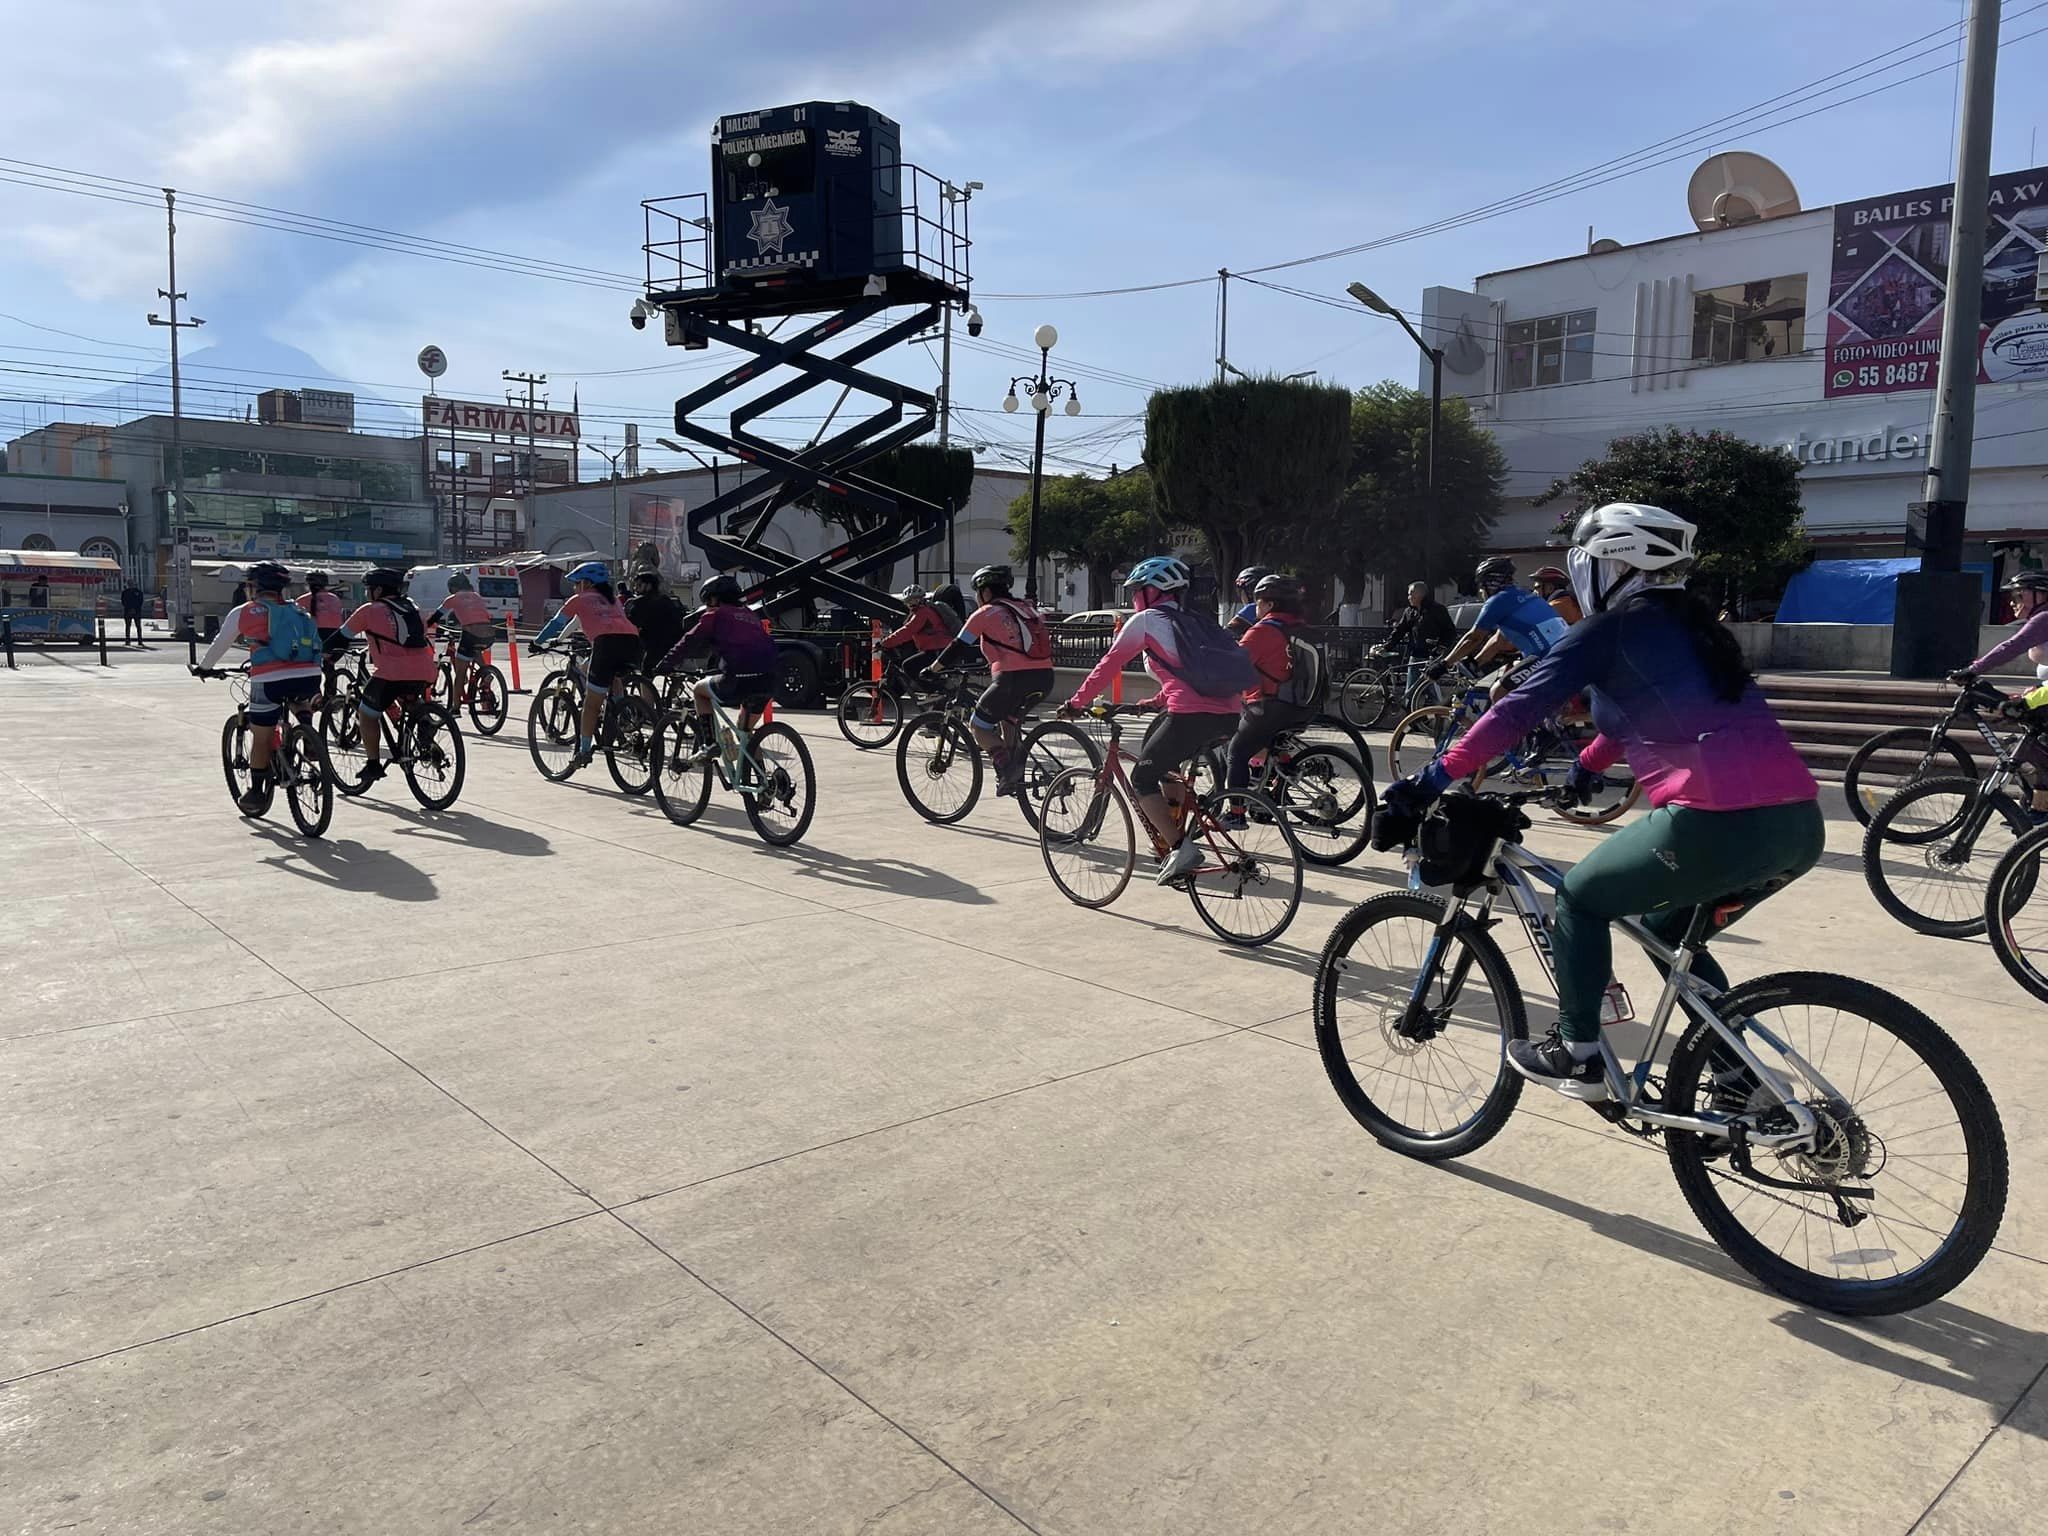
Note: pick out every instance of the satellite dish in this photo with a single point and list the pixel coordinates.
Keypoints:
(1602, 247)
(1739, 188)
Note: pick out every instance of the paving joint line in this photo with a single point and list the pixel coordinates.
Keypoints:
(1978, 1448)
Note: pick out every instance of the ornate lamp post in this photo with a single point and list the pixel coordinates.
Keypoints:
(1044, 390)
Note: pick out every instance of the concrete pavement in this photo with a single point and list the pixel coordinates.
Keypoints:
(546, 1166)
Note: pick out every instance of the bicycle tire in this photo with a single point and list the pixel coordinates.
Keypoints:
(681, 788)
(1336, 963)
(928, 751)
(1701, 1166)
(443, 685)
(489, 700)
(309, 786)
(1364, 697)
(1080, 814)
(1331, 826)
(1419, 739)
(870, 714)
(234, 762)
(629, 745)
(2013, 882)
(1867, 788)
(1922, 878)
(1049, 750)
(1248, 857)
(1334, 730)
(1596, 816)
(341, 731)
(777, 750)
(553, 750)
(431, 739)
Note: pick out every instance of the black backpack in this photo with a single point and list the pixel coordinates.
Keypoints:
(412, 629)
(1307, 683)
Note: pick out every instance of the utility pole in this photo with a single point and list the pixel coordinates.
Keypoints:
(531, 381)
(1222, 321)
(181, 532)
(1935, 622)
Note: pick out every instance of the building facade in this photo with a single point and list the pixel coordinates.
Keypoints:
(62, 514)
(1815, 331)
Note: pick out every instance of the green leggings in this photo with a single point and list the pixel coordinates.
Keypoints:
(1664, 867)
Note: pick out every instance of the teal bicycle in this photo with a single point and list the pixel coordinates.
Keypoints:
(769, 768)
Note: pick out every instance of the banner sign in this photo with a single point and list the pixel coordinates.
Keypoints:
(1886, 293)
(444, 415)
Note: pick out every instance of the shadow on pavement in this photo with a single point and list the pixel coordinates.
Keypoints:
(343, 864)
(885, 877)
(1980, 1351)
(460, 827)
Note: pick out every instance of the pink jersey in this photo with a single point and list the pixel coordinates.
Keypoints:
(597, 617)
(325, 607)
(388, 659)
(1151, 633)
(466, 608)
(1003, 629)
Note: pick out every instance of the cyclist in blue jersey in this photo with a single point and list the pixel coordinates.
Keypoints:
(1248, 611)
(1511, 619)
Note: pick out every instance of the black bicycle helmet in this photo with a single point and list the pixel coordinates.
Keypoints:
(385, 577)
(722, 589)
(649, 577)
(460, 583)
(267, 576)
(1252, 575)
(1493, 573)
(996, 576)
(318, 581)
(2027, 581)
(1281, 590)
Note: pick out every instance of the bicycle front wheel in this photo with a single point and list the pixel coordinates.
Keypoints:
(1901, 1193)
(1420, 739)
(1327, 796)
(307, 778)
(629, 749)
(1413, 1025)
(489, 700)
(551, 723)
(430, 751)
(1248, 886)
(939, 767)
(870, 715)
(1087, 838)
(780, 801)
(1891, 760)
(682, 778)
(2018, 924)
(1930, 850)
(234, 759)
(1364, 698)
(341, 732)
(1049, 750)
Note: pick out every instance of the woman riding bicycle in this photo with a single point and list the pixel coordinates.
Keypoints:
(1012, 637)
(614, 643)
(401, 659)
(1735, 816)
(472, 616)
(924, 634)
(746, 653)
(1277, 603)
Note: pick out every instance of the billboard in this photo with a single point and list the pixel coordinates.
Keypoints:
(479, 416)
(1889, 283)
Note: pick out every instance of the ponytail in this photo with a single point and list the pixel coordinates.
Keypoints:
(604, 590)
(1719, 653)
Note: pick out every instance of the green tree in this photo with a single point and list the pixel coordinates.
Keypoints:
(1248, 464)
(1099, 524)
(1744, 497)
(1387, 520)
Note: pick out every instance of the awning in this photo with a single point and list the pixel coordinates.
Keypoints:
(49, 565)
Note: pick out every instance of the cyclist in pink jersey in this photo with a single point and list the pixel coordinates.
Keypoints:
(1017, 645)
(468, 612)
(401, 658)
(595, 608)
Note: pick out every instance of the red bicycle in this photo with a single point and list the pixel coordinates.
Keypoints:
(487, 695)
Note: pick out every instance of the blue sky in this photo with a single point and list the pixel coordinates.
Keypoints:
(1121, 142)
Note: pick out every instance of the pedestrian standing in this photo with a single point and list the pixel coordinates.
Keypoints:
(131, 613)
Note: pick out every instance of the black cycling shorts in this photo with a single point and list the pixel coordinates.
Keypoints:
(380, 693)
(472, 643)
(1010, 695)
(745, 691)
(609, 656)
(1174, 740)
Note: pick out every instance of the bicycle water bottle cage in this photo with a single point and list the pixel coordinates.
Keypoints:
(1457, 836)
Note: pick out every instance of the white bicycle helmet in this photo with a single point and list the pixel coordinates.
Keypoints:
(1161, 571)
(1624, 546)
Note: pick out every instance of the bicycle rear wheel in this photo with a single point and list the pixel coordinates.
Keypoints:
(430, 752)
(1087, 838)
(2017, 923)
(307, 779)
(443, 685)
(939, 767)
(1930, 850)
(1364, 698)
(1248, 885)
(1891, 760)
(682, 786)
(489, 700)
(1420, 739)
(1327, 797)
(551, 724)
(1910, 1143)
(780, 804)
(870, 715)
(1050, 749)
(1413, 1029)
(629, 747)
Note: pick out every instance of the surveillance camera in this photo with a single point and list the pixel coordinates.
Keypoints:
(974, 321)
(639, 315)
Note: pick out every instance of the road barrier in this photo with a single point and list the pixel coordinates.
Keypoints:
(103, 644)
(7, 640)
(512, 653)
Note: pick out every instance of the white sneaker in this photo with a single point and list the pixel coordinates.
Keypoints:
(1182, 861)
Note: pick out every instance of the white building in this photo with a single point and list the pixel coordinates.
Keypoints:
(1812, 329)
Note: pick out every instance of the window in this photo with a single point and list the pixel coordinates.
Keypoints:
(1557, 349)
(38, 541)
(104, 549)
(1748, 321)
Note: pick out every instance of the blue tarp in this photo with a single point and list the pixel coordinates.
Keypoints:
(1851, 591)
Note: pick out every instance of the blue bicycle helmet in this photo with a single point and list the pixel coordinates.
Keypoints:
(1161, 571)
(591, 570)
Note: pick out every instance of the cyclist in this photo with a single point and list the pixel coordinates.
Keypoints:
(401, 659)
(2029, 591)
(284, 666)
(748, 659)
(325, 606)
(660, 620)
(1247, 614)
(1017, 645)
(924, 634)
(1511, 619)
(1735, 814)
(462, 607)
(1555, 588)
(614, 643)
(1177, 645)
(1278, 600)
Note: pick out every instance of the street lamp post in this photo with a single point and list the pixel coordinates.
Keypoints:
(711, 464)
(613, 460)
(1045, 389)
(1374, 302)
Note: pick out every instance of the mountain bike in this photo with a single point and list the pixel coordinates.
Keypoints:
(769, 768)
(1325, 791)
(1904, 755)
(487, 694)
(1930, 849)
(2017, 923)
(625, 727)
(1540, 760)
(417, 736)
(1371, 692)
(298, 757)
(1830, 1137)
(1248, 885)
(939, 763)
(870, 712)
(343, 672)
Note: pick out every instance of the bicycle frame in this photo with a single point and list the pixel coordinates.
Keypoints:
(1112, 772)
